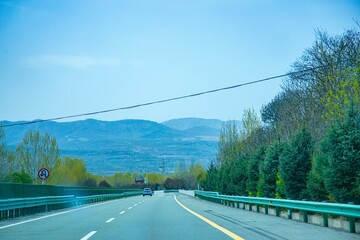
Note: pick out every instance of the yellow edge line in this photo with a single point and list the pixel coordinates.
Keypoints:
(224, 230)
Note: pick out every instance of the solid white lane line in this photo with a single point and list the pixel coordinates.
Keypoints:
(110, 220)
(122, 212)
(89, 235)
(129, 208)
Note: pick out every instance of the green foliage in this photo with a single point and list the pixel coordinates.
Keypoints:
(316, 188)
(156, 178)
(194, 175)
(68, 171)
(295, 164)
(211, 181)
(122, 179)
(6, 157)
(226, 185)
(250, 123)
(197, 174)
(238, 176)
(234, 151)
(90, 182)
(19, 178)
(280, 187)
(342, 149)
(269, 170)
(37, 151)
(347, 92)
(228, 143)
(253, 170)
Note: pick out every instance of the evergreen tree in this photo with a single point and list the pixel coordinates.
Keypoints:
(295, 164)
(253, 170)
(238, 176)
(211, 182)
(315, 186)
(342, 149)
(269, 170)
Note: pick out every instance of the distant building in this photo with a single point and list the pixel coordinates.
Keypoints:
(139, 180)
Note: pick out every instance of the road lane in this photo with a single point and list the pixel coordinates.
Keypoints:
(157, 217)
(161, 217)
(211, 223)
(71, 225)
(252, 225)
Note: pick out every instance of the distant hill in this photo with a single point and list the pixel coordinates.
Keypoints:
(129, 145)
(68, 133)
(188, 123)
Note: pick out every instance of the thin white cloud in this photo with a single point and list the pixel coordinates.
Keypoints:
(70, 61)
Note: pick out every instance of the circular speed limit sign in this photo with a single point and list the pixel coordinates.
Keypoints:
(43, 173)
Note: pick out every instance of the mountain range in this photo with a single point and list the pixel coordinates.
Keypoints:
(129, 145)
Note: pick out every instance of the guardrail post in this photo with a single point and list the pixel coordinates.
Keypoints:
(289, 214)
(352, 224)
(325, 220)
(305, 217)
(257, 208)
(266, 209)
(277, 211)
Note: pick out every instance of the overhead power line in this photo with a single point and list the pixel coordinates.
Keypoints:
(156, 102)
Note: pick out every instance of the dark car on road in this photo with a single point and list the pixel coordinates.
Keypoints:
(147, 191)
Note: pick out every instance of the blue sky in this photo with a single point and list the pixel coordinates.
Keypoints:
(60, 58)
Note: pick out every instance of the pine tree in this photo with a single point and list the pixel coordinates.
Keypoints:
(342, 149)
(269, 170)
(295, 164)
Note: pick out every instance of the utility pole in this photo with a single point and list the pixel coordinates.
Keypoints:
(163, 166)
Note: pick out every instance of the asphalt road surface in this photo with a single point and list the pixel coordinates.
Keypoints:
(162, 216)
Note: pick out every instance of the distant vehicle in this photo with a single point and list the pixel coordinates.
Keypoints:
(147, 191)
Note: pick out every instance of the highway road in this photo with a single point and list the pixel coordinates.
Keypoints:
(162, 216)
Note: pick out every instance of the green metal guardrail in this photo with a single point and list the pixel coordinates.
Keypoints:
(19, 190)
(15, 207)
(104, 197)
(352, 212)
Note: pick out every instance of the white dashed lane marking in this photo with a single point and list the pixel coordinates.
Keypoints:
(89, 235)
(110, 220)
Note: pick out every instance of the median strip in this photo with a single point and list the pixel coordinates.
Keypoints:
(211, 223)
